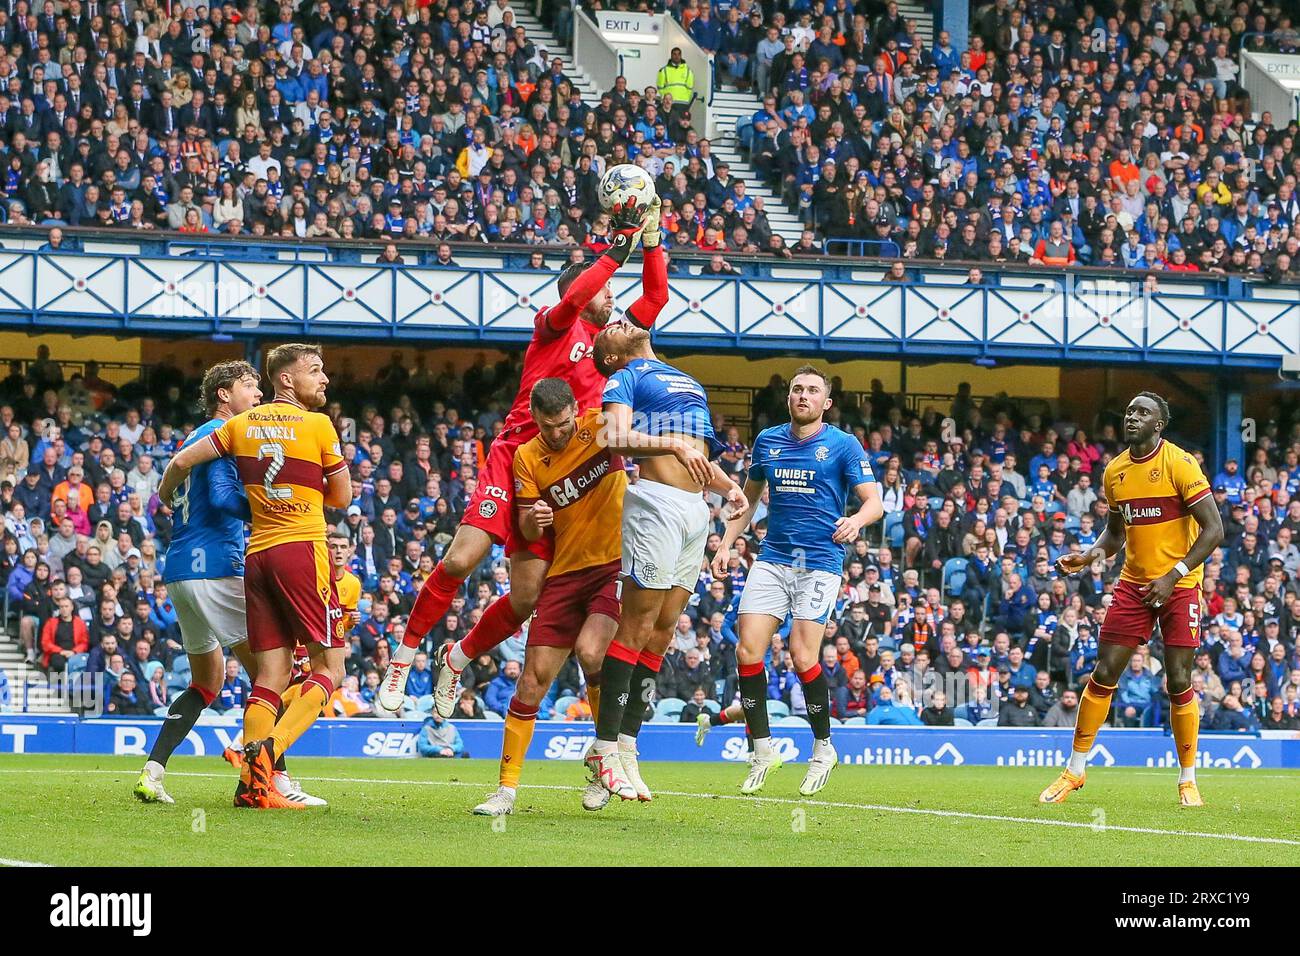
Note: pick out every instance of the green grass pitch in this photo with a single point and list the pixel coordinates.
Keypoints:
(79, 811)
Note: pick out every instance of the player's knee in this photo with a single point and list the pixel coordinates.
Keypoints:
(803, 660)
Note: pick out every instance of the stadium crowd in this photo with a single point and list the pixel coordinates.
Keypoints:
(1105, 134)
(950, 608)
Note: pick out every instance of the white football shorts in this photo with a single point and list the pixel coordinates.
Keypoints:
(665, 530)
(211, 613)
(778, 590)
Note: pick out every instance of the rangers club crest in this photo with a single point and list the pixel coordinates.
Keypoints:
(822, 453)
(650, 570)
(487, 509)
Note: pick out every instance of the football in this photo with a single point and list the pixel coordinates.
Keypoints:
(626, 187)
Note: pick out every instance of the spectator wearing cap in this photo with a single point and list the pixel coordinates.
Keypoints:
(1017, 711)
(1232, 482)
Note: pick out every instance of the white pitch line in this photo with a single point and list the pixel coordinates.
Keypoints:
(878, 807)
(27, 863)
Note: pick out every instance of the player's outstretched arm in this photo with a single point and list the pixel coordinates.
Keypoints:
(849, 527)
(618, 435)
(753, 492)
(654, 270)
(185, 461)
(584, 288)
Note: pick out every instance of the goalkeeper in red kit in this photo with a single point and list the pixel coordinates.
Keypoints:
(561, 347)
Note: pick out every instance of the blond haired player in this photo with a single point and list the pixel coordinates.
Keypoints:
(570, 488)
(292, 468)
(1163, 515)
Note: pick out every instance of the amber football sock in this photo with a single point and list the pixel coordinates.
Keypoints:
(521, 720)
(1094, 706)
(300, 715)
(260, 712)
(1185, 718)
(593, 695)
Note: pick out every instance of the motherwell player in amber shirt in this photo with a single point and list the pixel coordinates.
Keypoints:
(292, 468)
(561, 347)
(1163, 515)
(568, 488)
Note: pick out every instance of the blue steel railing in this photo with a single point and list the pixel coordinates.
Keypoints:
(1035, 314)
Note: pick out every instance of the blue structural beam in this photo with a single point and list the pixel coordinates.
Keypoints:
(1031, 315)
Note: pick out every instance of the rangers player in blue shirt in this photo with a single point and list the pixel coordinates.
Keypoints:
(660, 415)
(810, 468)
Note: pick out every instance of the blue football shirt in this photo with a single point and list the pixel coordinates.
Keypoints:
(208, 520)
(808, 488)
(663, 401)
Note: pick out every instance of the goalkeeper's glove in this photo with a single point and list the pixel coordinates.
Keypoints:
(651, 224)
(623, 238)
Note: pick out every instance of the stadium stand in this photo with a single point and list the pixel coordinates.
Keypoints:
(998, 498)
(1124, 142)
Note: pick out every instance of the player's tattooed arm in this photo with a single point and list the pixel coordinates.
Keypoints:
(1210, 537)
(1106, 546)
(736, 525)
(185, 461)
(849, 527)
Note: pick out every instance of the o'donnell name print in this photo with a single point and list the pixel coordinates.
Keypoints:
(77, 910)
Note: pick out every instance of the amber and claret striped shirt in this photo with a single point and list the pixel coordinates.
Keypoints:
(1155, 494)
(283, 453)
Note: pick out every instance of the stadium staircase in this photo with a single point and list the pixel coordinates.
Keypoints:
(40, 698)
(730, 104)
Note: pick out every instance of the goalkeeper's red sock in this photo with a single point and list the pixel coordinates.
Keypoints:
(431, 606)
(498, 622)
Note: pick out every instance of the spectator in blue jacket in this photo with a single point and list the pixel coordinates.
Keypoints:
(439, 738)
(1234, 662)
(1233, 717)
(498, 694)
(1083, 656)
(1135, 692)
(234, 691)
(420, 680)
(1016, 603)
(886, 712)
(6, 696)
(1230, 480)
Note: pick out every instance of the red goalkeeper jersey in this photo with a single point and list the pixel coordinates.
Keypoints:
(562, 342)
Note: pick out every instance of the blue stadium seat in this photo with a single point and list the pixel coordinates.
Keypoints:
(160, 711)
(712, 706)
(855, 722)
(790, 722)
(492, 716)
(178, 682)
(954, 576)
(777, 709)
(1072, 523)
(77, 663)
(670, 708)
(424, 704)
(935, 503)
(563, 704)
(988, 722)
(894, 529)
(961, 712)
(961, 722)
